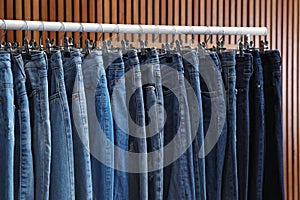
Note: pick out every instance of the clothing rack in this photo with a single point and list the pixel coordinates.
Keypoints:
(130, 29)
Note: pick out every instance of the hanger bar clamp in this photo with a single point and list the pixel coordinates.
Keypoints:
(125, 28)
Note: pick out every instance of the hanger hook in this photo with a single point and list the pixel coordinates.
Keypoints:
(82, 31)
(100, 35)
(140, 32)
(157, 34)
(27, 29)
(64, 30)
(41, 38)
(174, 32)
(193, 34)
(5, 31)
(208, 36)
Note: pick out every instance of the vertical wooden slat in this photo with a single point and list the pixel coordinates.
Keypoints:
(92, 16)
(113, 16)
(36, 17)
(163, 17)
(44, 5)
(257, 19)
(156, 16)
(202, 17)
(196, 18)
(170, 16)
(52, 12)
(76, 18)
(99, 18)
(27, 16)
(129, 14)
(61, 18)
(136, 13)
(69, 15)
(18, 11)
(233, 6)
(84, 19)
(182, 10)
(189, 16)
(106, 6)
(10, 15)
(295, 53)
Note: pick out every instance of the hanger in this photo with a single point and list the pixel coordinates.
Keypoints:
(201, 49)
(98, 41)
(2, 45)
(263, 45)
(41, 38)
(26, 44)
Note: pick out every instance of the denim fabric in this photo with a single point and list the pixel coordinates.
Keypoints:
(273, 169)
(257, 129)
(138, 182)
(7, 128)
(62, 156)
(36, 66)
(214, 122)
(115, 71)
(78, 112)
(244, 70)
(23, 161)
(191, 73)
(99, 112)
(154, 113)
(230, 176)
(179, 181)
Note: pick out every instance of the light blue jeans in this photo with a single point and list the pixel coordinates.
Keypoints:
(101, 131)
(36, 66)
(78, 111)
(23, 162)
(62, 185)
(7, 128)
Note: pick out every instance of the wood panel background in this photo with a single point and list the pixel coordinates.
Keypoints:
(282, 17)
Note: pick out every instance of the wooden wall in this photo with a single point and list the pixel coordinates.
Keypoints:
(282, 17)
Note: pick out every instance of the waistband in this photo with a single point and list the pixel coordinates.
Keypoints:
(244, 61)
(5, 56)
(172, 60)
(227, 58)
(272, 58)
(149, 57)
(191, 58)
(55, 61)
(210, 60)
(131, 58)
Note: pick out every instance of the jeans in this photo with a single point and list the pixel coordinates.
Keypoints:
(78, 112)
(102, 135)
(257, 129)
(191, 73)
(230, 176)
(273, 169)
(115, 71)
(154, 119)
(23, 161)
(7, 128)
(138, 182)
(214, 123)
(179, 181)
(62, 165)
(36, 66)
(243, 73)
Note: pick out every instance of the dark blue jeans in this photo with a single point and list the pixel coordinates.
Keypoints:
(179, 181)
(230, 176)
(7, 139)
(115, 70)
(36, 66)
(214, 123)
(257, 129)
(243, 73)
(154, 121)
(62, 156)
(78, 112)
(138, 182)
(273, 169)
(23, 161)
(191, 73)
